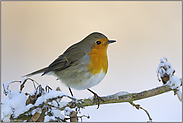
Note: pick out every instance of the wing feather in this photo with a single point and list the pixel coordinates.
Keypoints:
(70, 57)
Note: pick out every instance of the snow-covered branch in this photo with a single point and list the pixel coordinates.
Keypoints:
(52, 100)
(45, 104)
(127, 97)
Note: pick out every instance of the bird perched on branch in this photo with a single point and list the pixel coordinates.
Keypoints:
(83, 65)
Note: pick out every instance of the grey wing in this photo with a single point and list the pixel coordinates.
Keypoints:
(59, 64)
(69, 58)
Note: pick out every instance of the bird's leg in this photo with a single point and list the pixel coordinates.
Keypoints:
(96, 98)
(70, 91)
(75, 103)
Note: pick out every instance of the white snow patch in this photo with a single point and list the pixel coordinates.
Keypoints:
(37, 110)
(116, 96)
(121, 93)
(164, 69)
(62, 104)
(179, 94)
(15, 105)
(67, 111)
(51, 94)
(174, 82)
(57, 113)
(53, 103)
(49, 118)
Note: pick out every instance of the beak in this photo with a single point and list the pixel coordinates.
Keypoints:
(110, 41)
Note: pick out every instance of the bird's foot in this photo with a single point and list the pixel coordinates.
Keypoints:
(77, 104)
(97, 100)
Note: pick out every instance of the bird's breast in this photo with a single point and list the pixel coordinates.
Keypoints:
(98, 60)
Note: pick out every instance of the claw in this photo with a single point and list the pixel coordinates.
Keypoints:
(96, 99)
(73, 104)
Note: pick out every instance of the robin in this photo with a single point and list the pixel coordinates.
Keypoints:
(83, 65)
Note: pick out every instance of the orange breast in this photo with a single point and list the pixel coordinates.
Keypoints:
(98, 59)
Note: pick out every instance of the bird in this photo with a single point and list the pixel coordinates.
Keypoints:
(83, 65)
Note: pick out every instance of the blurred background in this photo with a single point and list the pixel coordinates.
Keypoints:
(35, 33)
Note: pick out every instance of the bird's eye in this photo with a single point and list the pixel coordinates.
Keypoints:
(98, 42)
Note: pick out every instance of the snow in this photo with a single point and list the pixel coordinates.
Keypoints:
(15, 105)
(121, 93)
(5, 112)
(6, 90)
(57, 113)
(116, 95)
(51, 94)
(165, 68)
(23, 81)
(174, 82)
(179, 94)
(163, 63)
(67, 111)
(62, 104)
(37, 110)
(48, 118)
(53, 103)
(170, 71)
(165, 58)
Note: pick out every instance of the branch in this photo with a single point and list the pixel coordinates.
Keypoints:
(125, 96)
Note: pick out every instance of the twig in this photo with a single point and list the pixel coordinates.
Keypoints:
(139, 107)
(24, 81)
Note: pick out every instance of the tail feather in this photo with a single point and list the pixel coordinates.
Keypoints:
(36, 72)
